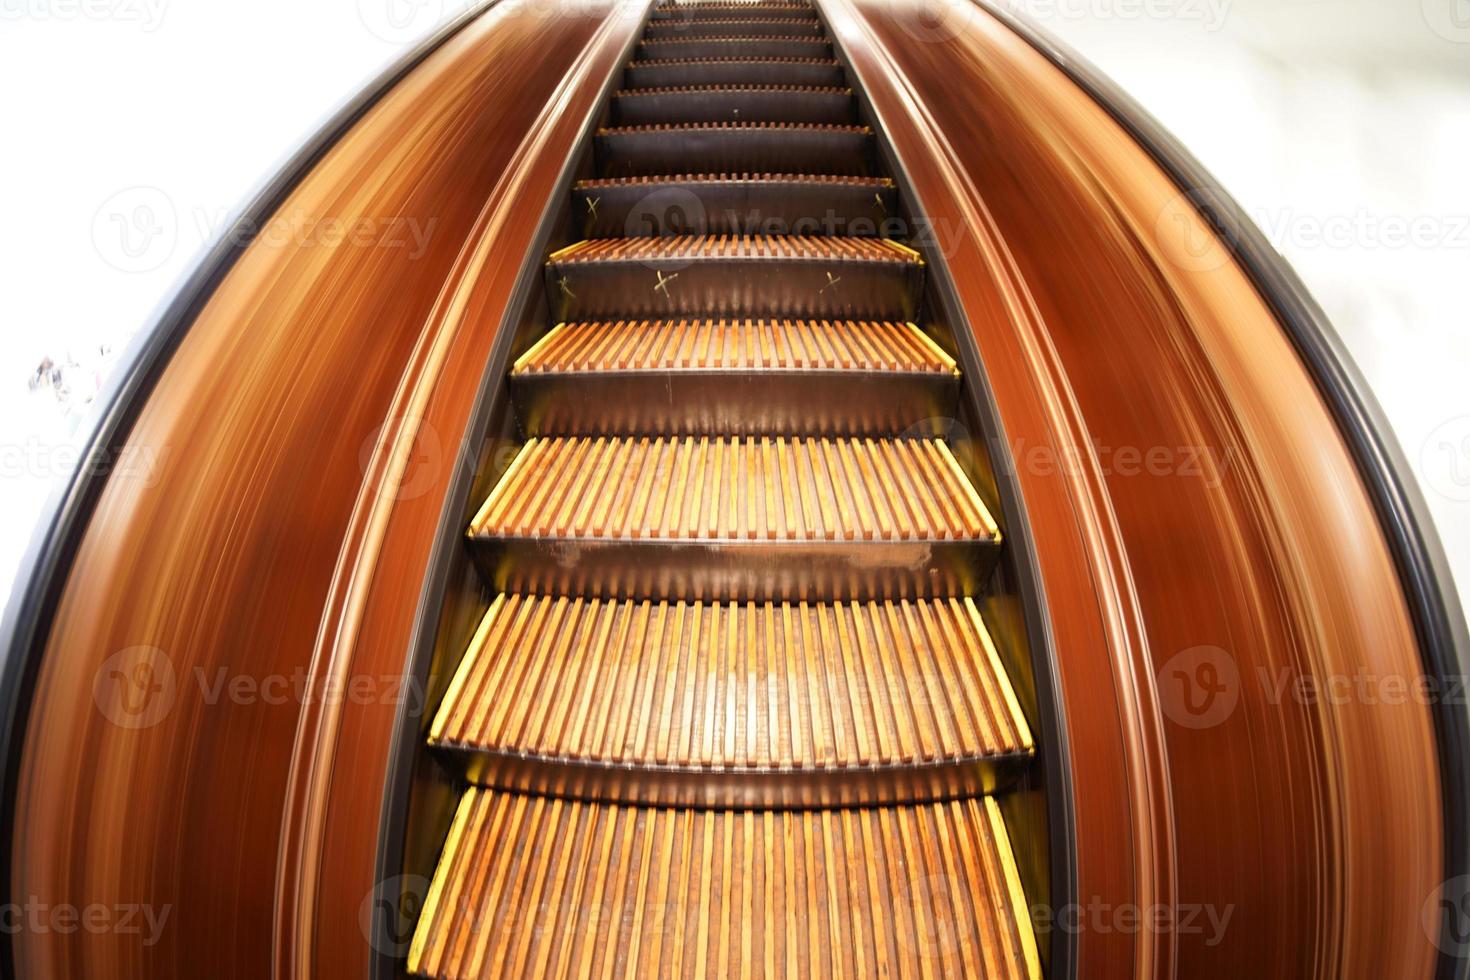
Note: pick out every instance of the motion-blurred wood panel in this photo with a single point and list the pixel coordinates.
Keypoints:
(1203, 535)
(181, 755)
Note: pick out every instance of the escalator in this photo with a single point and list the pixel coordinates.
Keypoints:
(831, 489)
(733, 709)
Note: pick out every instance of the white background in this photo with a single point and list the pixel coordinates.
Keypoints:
(135, 127)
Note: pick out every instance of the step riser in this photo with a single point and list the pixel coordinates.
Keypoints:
(656, 74)
(722, 788)
(837, 108)
(640, 154)
(753, 48)
(730, 287)
(729, 403)
(737, 208)
(758, 571)
(666, 30)
(762, 11)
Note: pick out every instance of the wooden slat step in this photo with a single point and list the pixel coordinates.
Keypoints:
(733, 27)
(773, 46)
(735, 345)
(719, 9)
(711, 489)
(797, 276)
(532, 887)
(734, 71)
(754, 688)
(734, 103)
(739, 203)
(752, 147)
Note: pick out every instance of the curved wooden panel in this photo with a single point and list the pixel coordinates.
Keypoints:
(211, 720)
(1207, 547)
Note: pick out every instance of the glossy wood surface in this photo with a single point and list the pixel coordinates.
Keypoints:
(1201, 531)
(306, 429)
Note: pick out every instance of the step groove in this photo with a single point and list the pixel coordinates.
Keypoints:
(533, 887)
(713, 489)
(735, 345)
(753, 688)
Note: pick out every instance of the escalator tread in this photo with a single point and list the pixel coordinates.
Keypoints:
(831, 687)
(533, 886)
(733, 345)
(713, 489)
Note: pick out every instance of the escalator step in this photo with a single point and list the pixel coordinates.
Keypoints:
(791, 704)
(630, 151)
(732, 27)
(720, 9)
(696, 275)
(734, 103)
(532, 887)
(807, 490)
(735, 47)
(736, 345)
(736, 204)
(734, 377)
(734, 71)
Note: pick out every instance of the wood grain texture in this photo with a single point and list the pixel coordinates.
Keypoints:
(733, 345)
(733, 686)
(720, 489)
(269, 565)
(1113, 323)
(534, 887)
